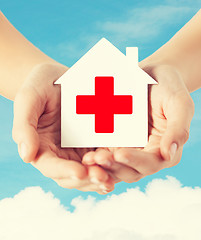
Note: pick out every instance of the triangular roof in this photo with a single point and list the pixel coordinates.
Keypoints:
(110, 51)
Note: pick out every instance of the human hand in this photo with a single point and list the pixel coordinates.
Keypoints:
(170, 113)
(36, 130)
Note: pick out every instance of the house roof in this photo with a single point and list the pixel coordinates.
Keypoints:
(110, 54)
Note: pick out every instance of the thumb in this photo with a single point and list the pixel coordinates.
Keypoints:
(27, 110)
(179, 114)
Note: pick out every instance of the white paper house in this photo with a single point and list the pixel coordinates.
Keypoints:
(84, 120)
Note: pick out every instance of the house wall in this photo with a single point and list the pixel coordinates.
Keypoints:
(129, 130)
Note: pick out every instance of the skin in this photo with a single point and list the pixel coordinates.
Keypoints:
(182, 52)
(176, 67)
(27, 76)
(36, 127)
(170, 113)
(37, 131)
(17, 59)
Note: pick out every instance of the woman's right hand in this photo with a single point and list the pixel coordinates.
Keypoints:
(36, 130)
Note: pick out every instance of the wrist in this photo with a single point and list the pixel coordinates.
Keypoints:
(42, 76)
(53, 70)
(153, 63)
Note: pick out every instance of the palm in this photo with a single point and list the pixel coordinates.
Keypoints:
(49, 124)
(157, 124)
(161, 99)
(156, 121)
(166, 107)
(49, 129)
(162, 103)
(41, 115)
(150, 154)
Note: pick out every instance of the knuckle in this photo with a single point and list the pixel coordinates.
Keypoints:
(123, 154)
(79, 175)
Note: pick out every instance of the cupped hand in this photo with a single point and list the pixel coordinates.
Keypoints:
(36, 130)
(170, 113)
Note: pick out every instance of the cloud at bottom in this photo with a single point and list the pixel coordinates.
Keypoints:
(166, 210)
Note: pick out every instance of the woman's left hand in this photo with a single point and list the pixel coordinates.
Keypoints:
(170, 113)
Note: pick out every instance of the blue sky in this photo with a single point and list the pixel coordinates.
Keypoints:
(65, 31)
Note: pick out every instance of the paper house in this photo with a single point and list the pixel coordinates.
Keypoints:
(104, 99)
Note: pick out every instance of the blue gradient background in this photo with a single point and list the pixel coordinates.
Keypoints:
(65, 30)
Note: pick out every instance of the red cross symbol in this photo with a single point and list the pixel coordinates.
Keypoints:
(104, 104)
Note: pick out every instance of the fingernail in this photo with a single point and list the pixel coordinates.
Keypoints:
(22, 150)
(173, 150)
(95, 180)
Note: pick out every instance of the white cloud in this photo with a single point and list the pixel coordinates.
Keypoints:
(144, 24)
(140, 25)
(166, 211)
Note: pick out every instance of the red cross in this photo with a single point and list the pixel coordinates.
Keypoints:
(104, 104)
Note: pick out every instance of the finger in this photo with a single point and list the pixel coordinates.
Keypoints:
(145, 163)
(72, 174)
(179, 114)
(124, 173)
(72, 183)
(50, 165)
(103, 157)
(27, 110)
(88, 158)
(82, 151)
(101, 179)
(100, 190)
(86, 185)
(97, 174)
